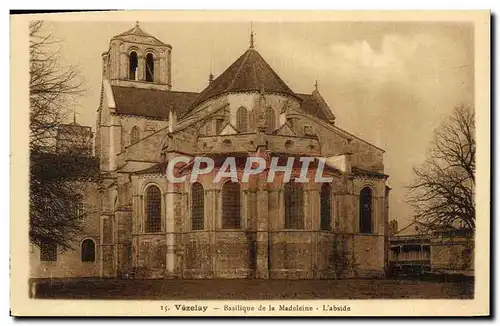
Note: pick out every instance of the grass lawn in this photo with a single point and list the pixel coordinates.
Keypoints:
(252, 289)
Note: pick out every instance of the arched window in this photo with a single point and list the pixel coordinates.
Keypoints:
(242, 119)
(135, 135)
(150, 67)
(88, 250)
(325, 199)
(153, 209)
(132, 66)
(365, 210)
(197, 207)
(231, 214)
(294, 206)
(270, 120)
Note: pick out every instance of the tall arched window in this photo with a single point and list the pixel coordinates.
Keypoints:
(88, 250)
(231, 213)
(326, 202)
(132, 66)
(365, 210)
(294, 206)
(150, 67)
(135, 135)
(197, 207)
(153, 209)
(242, 119)
(271, 120)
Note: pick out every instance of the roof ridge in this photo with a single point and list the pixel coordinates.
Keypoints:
(157, 90)
(249, 72)
(246, 55)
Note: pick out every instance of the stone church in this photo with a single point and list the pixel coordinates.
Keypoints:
(143, 226)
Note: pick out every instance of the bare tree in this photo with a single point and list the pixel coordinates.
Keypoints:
(53, 88)
(56, 179)
(442, 193)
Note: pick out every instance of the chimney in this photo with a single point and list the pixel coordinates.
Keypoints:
(172, 121)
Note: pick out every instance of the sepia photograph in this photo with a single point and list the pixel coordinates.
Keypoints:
(251, 163)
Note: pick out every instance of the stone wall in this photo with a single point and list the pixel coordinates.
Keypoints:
(69, 263)
(452, 253)
(146, 128)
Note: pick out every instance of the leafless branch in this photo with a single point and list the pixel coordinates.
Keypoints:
(443, 190)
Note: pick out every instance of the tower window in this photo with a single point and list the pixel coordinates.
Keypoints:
(325, 207)
(231, 215)
(242, 119)
(88, 250)
(150, 68)
(153, 209)
(197, 206)
(294, 206)
(365, 210)
(132, 73)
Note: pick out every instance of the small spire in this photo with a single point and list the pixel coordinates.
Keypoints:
(316, 85)
(211, 75)
(136, 24)
(251, 36)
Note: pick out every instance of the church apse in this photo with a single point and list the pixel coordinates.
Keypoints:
(217, 227)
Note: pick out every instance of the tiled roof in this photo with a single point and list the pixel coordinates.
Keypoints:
(250, 72)
(149, 102)
(311, 105)
(157, 103)
(159, 168)
(359, 171)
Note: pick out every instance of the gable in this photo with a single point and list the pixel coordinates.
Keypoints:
(228, 129)
(285, 130)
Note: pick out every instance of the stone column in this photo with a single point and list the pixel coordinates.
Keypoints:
(173, 211)
(124, 61)
(169, 227)
(262, 238)
(115, 60)
(141, 66)
(314, 226)
(211, 224)
(169, 68)
(124, 239)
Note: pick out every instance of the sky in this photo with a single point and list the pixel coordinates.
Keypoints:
(389, 83)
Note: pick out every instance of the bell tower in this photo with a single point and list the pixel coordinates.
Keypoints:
(136, 58)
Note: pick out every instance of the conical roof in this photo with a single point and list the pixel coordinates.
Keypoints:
(250, 72)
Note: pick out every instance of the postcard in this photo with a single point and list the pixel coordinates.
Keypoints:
(250, 163)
